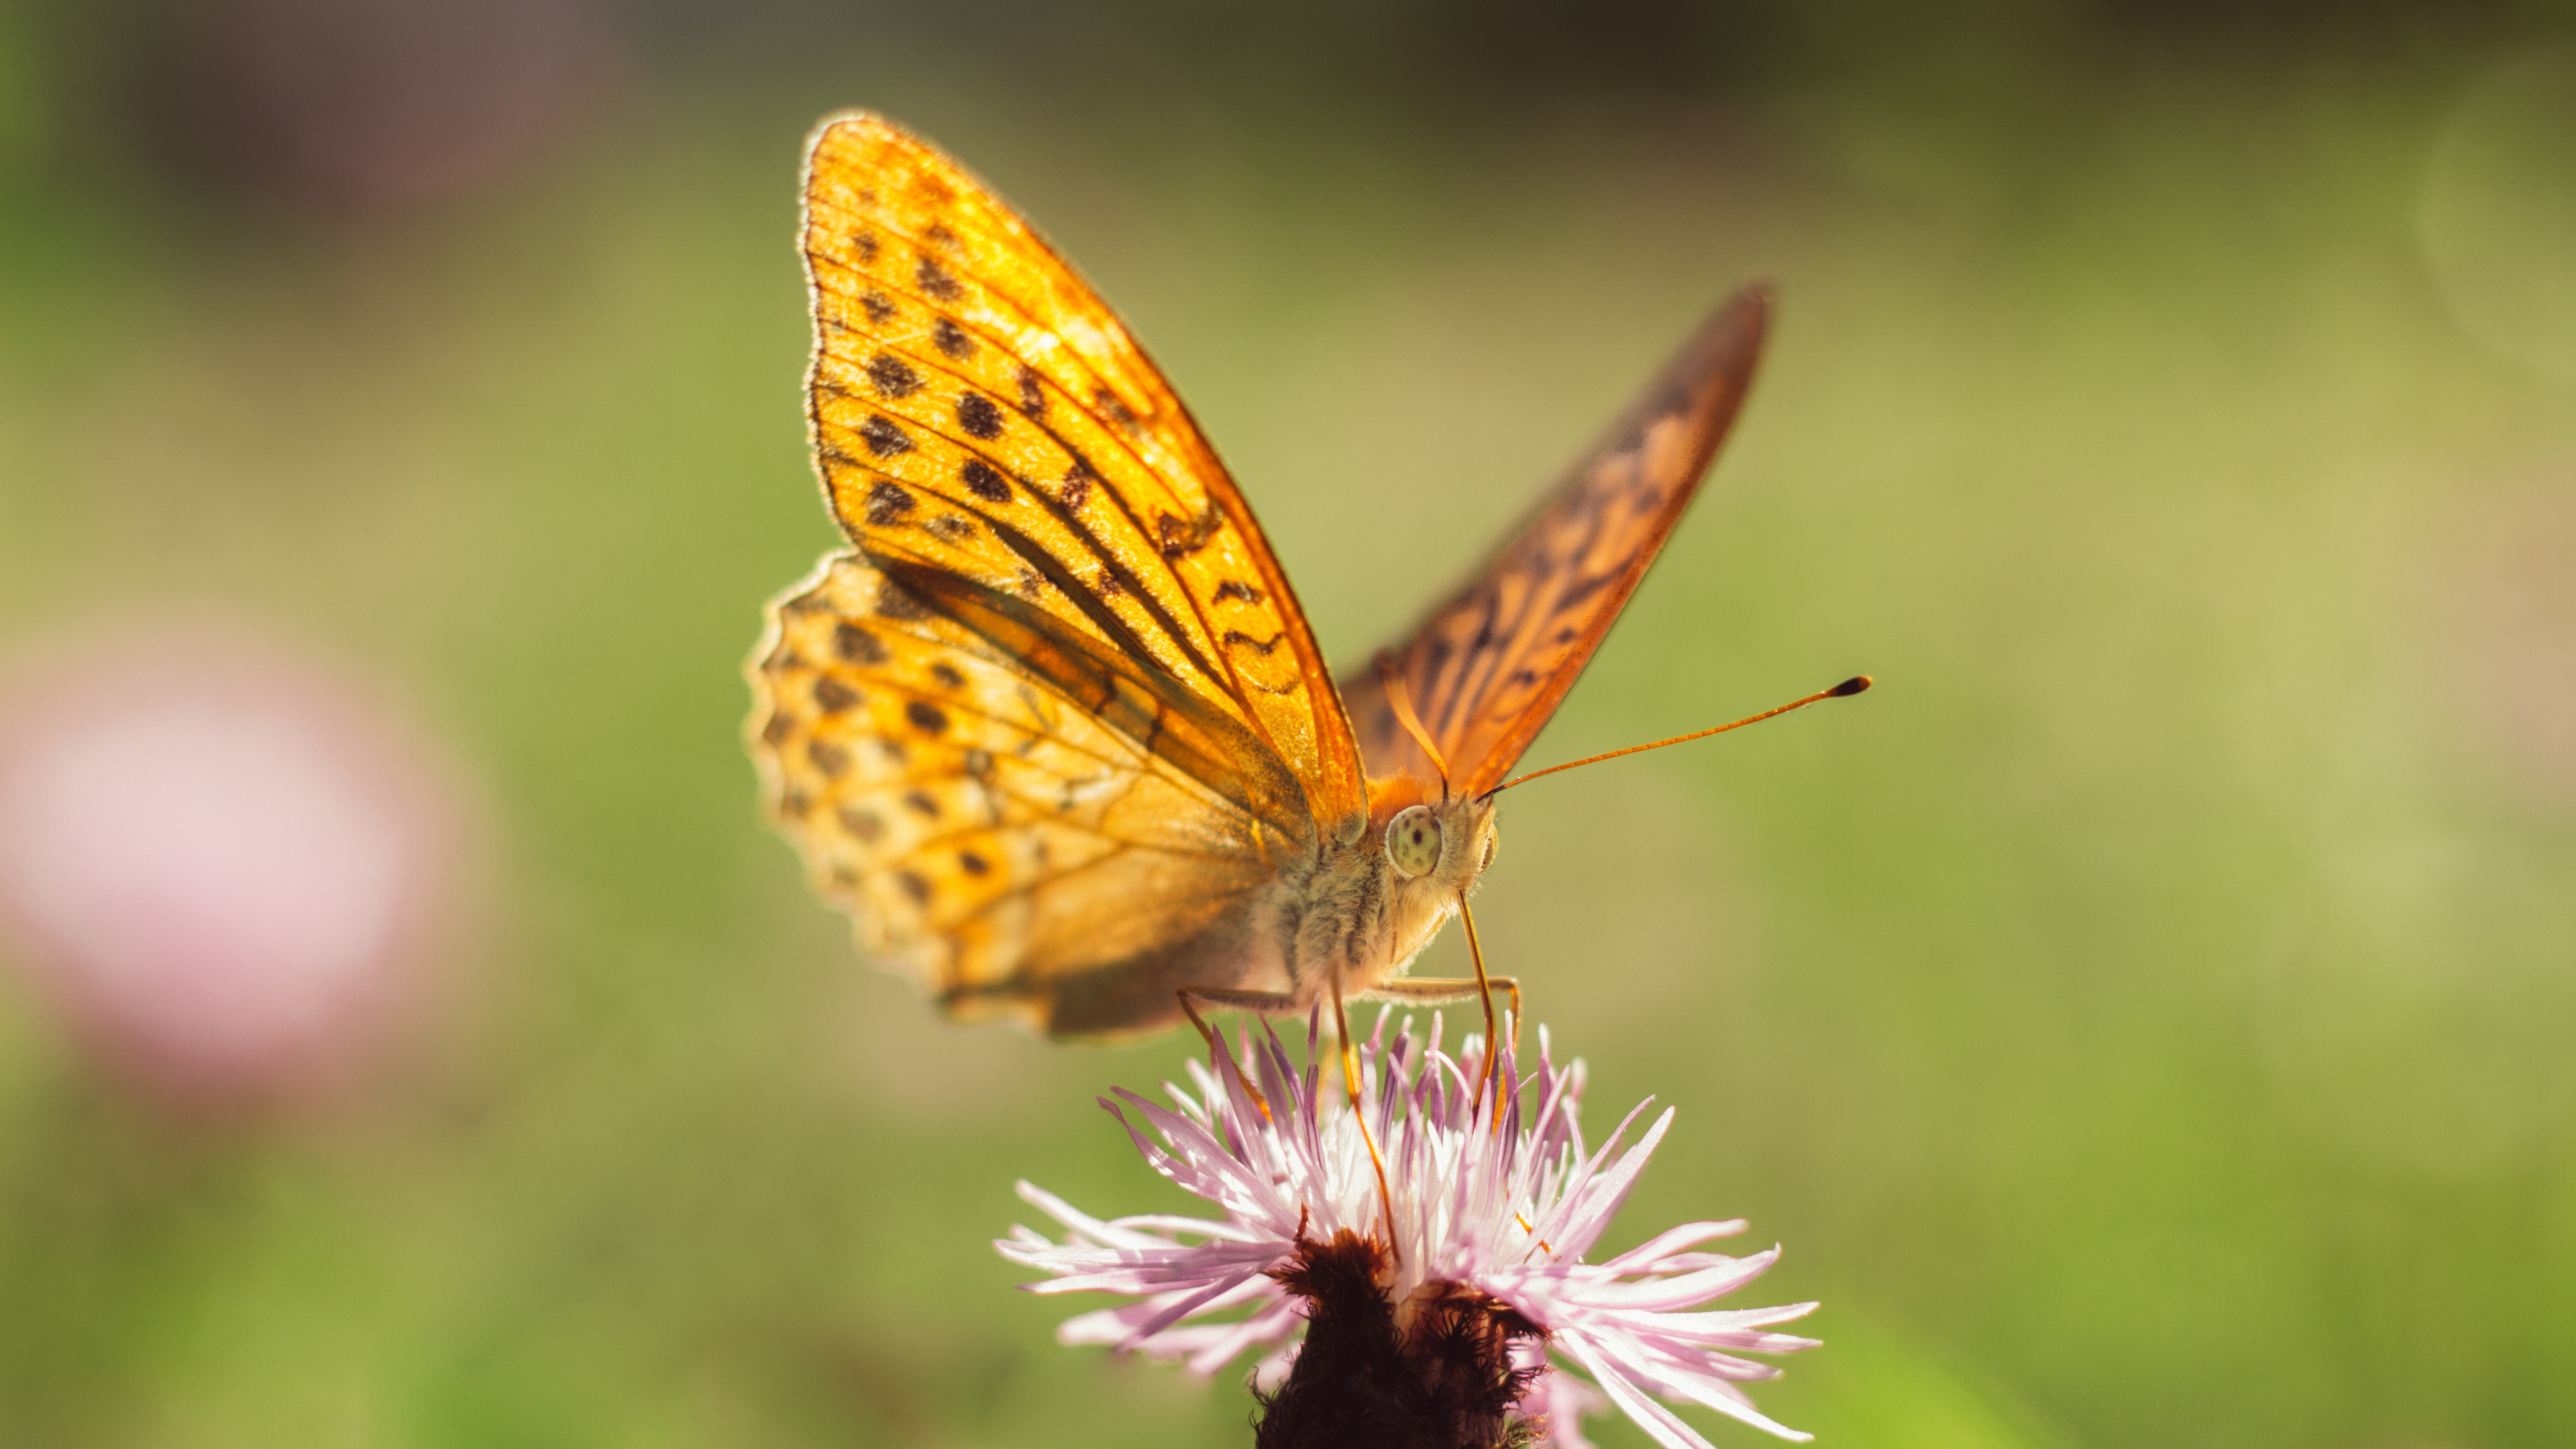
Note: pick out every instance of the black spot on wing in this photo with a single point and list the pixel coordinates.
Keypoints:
(926, 717)
(934, 281)
(778, 729)
(879, 306)
(832, 696)
(1078, 478)
(952, 340)
(1113, 407)
(1236, 638)
(978, 416)
(985, 482)
(1032, 396)
(857, 645)
(866, 245)
(973, 864)
(893, 376)
(921, 803)
(884, 437)
(1238, 589)
(951, 528)
(947, 675)
(1584, 589)
(828, 757)
(1182, 537)
(887, 504)
(863, 825)
(913, 886)
(894, 603)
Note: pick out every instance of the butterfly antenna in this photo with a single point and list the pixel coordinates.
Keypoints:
(1359, 1109)
(1402, 702)
(1854, 685)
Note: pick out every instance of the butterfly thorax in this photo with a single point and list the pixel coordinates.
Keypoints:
(1380, 893)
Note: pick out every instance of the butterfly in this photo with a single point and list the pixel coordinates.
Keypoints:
(1053, 727)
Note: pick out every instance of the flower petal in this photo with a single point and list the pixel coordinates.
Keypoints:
(1671, 1241)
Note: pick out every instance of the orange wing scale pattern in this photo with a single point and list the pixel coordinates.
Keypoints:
(980, 414)
(1486, 670)
(983, 831)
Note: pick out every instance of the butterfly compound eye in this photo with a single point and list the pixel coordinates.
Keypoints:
(1413, 841)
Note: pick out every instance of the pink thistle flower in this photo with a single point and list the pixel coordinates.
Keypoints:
(1491, 1226)
(225, 867)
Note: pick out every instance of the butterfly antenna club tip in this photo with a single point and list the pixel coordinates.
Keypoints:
(1844, 690)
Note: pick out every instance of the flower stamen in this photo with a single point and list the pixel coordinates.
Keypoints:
(1533, 1232)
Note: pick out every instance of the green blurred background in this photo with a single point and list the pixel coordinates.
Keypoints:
(2145, 1018)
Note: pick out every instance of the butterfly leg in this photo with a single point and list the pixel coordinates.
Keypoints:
(1228, 998)
(1268, 1003)
(1444, 991)
(1447, 991)
(1485, 997)
(1359, 1110)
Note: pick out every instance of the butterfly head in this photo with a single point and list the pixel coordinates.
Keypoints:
(1438, 848)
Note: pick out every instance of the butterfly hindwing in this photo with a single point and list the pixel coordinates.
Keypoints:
(1016, 850)
(1489, 666)
(979, 415)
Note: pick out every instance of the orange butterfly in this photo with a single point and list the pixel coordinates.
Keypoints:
(1054, 729)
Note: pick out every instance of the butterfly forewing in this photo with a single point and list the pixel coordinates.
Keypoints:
(996, 837)
(1488, 667)
(980, 416)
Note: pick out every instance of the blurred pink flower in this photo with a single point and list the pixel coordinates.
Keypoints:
(223, 865)
(1500, 1219)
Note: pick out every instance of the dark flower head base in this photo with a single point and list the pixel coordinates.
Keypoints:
(1452, 1380)
(1454, 1322)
